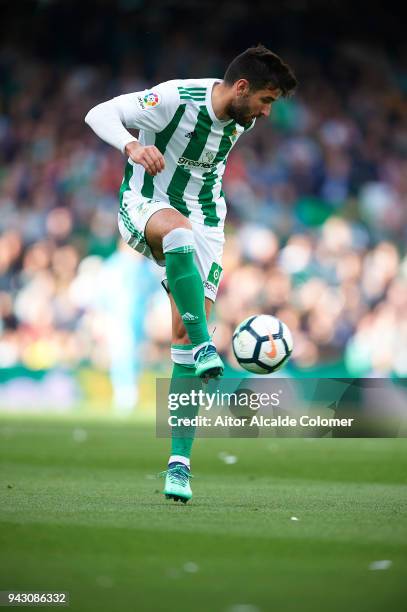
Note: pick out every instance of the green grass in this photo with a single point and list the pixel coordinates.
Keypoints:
(88, 517)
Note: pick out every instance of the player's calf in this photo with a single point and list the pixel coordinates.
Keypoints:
(185, 283)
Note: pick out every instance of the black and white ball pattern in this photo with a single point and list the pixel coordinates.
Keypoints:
(262, 344)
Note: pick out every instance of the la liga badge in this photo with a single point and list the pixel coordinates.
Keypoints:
(152, 99)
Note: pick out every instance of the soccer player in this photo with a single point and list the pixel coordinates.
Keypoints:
(172, 207)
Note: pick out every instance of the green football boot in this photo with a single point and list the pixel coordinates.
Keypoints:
(177, 485)
(208, 364)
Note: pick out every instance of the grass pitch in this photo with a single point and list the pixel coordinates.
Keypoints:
(81, 511)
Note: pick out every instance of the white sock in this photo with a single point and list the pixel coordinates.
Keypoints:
(180, 459)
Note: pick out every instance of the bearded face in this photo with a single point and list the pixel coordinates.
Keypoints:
(247, 105)
(240, 110)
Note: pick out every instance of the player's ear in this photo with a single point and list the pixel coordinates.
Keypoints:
(242, 87)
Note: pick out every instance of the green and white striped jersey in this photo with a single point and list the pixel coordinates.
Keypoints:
(177, 117)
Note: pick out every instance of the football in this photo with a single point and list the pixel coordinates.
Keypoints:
(262, 344)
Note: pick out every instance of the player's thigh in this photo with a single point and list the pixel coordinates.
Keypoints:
(159, 225)
(143, 223)
(179, 333)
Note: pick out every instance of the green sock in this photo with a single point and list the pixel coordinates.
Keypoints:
(183, 437)
(185, 284)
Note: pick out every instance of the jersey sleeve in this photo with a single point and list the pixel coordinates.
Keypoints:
(151, 109)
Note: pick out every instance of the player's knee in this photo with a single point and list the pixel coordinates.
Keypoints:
(179, 238)
(178, 222)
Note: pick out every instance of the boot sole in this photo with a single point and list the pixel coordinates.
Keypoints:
(211, 373)
(176, 498)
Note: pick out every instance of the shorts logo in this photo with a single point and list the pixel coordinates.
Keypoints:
(142, 207)
(151, 99)
(214, 274)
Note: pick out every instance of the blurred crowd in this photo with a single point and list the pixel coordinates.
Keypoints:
(316, 231)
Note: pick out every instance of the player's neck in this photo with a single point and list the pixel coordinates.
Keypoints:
(221, 98)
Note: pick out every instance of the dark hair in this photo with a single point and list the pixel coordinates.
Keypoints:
(263, 69)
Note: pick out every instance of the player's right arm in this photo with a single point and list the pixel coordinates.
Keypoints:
(149, 110)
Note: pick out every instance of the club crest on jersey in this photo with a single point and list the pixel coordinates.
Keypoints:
(233, 135)
(208, 157)
(150, 100)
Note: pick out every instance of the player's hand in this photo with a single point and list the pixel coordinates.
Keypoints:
(148, 156)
